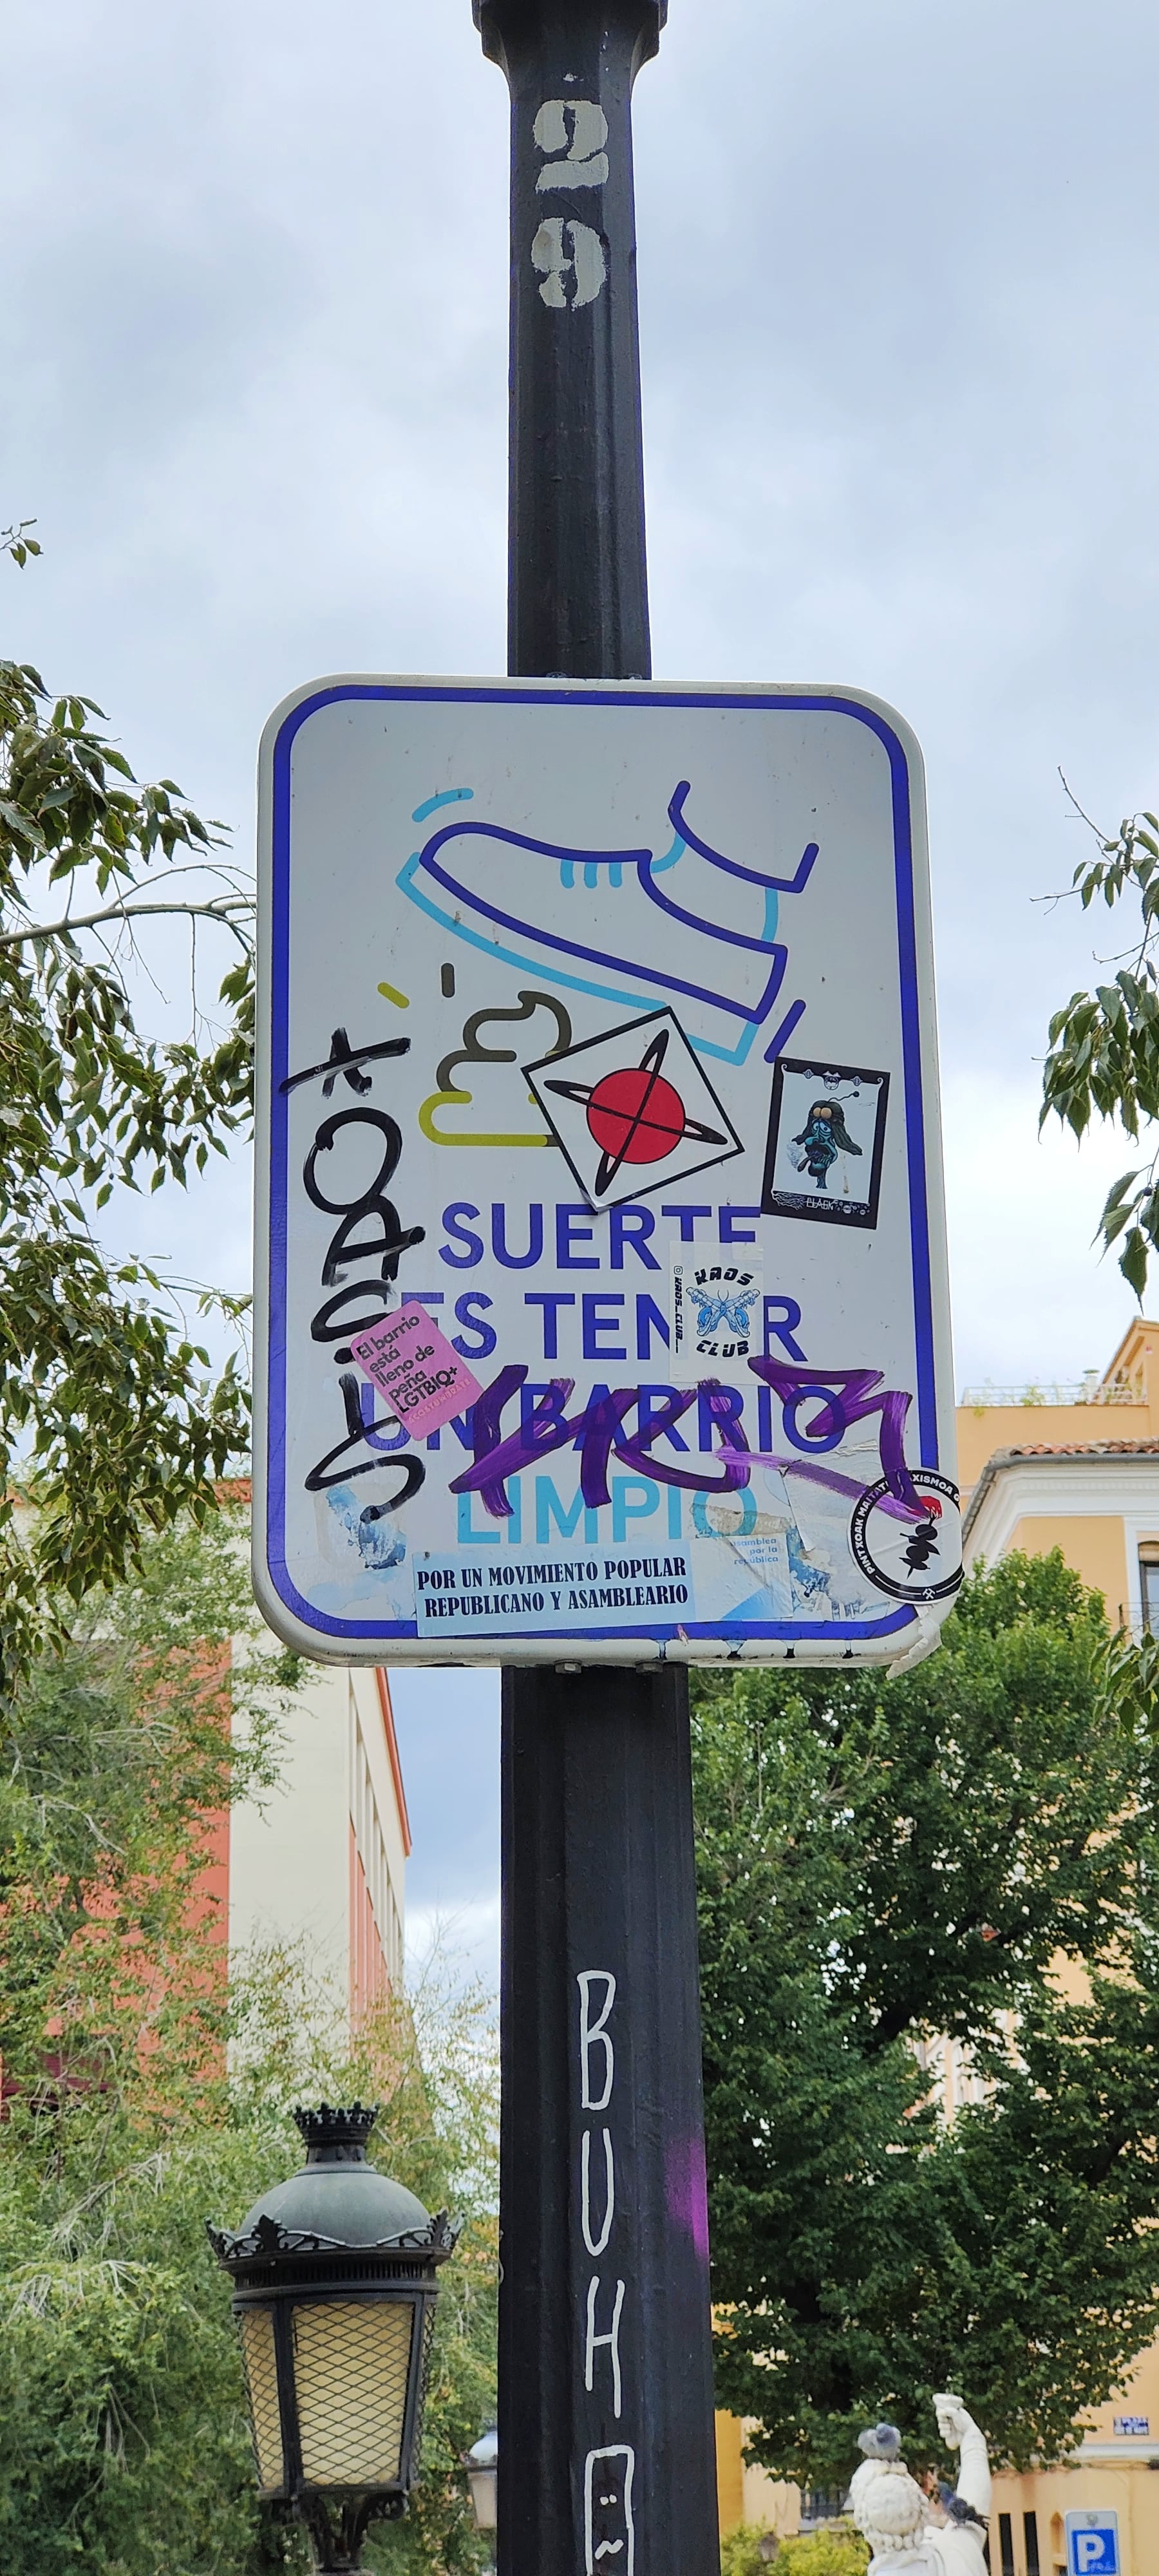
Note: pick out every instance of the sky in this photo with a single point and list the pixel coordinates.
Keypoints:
(897, 276)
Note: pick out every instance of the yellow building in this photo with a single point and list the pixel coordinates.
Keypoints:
(1075, 1468)
(1078, 1469)
(1082, 1475)
(747, 2494)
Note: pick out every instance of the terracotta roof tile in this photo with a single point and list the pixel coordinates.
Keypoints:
(1077, 1449)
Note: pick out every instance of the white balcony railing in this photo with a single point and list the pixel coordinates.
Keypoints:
(1089, 1390)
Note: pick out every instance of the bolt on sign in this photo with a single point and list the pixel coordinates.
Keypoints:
(602, 1279)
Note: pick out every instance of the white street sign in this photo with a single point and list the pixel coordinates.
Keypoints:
(1092, 2543)
(602, 1282)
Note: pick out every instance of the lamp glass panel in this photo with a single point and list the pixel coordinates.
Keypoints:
(483, 2484)
(351, 2367)
(261, 2376)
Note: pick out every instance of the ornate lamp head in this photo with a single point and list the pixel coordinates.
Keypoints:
(336, 2137)
(334, 2288)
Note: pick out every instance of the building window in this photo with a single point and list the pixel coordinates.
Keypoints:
(1030, 2532)
(1149, 1590)
(1006, 2543)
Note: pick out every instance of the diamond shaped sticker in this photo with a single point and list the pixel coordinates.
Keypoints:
(633, 1110)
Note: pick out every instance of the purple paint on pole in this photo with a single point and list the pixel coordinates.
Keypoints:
(686, 2184)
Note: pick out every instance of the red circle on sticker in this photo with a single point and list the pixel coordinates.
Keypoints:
(636, 1115)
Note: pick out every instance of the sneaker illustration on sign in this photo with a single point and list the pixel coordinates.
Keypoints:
(584, 918)
(632, 1110)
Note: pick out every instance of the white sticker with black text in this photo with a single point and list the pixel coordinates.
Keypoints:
(587, 1588)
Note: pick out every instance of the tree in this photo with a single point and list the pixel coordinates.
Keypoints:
(109, 1415)
(141, 2098)
(968, 1850)
(837, 2550)
(131, 1735)
(834, 2552)
(1104, 1046)
(126, 2449)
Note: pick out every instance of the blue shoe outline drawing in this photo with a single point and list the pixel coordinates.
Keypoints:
(647, 867)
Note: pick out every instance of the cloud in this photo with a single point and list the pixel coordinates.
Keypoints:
(462, 1938)
(1032, 1301)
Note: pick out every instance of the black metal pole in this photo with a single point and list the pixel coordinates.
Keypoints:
(606, 2454)
(605, 2374)
(578, 580)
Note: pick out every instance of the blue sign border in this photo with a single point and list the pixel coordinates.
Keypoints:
(773, 702)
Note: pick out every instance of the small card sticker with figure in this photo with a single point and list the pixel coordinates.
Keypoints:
(825, 1143)
(715, 1309)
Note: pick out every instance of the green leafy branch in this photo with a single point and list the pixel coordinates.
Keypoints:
(1104, 1046)
(15, 541)
(111, 1419)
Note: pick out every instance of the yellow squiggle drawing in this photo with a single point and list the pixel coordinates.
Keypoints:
(473, 1051)
(462, 1099)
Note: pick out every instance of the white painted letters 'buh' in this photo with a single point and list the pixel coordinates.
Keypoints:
(609, 2527)
(597, 2342)
(594, 2034)
(596, 2244)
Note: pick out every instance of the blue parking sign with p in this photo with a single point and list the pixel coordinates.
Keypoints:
(1092, 2543)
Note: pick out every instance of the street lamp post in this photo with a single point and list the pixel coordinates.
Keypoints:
(605, 2357)
(335, 2282)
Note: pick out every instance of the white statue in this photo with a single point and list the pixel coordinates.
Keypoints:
(909, 2532)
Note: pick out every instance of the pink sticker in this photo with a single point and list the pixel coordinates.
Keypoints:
(413, 1365)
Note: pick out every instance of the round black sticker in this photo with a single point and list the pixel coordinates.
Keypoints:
(911, 1560)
